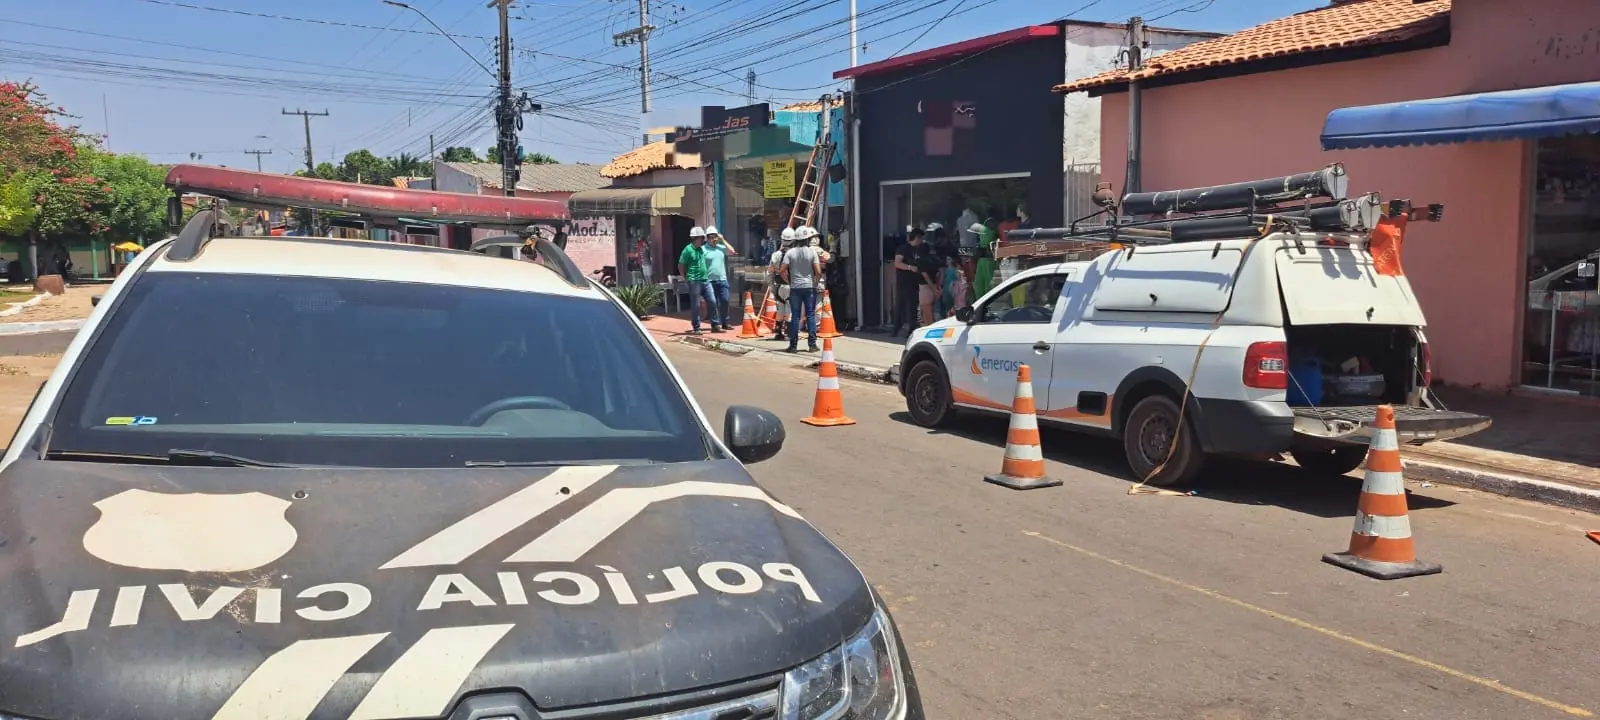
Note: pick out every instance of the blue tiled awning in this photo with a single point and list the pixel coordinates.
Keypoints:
(1504, 115)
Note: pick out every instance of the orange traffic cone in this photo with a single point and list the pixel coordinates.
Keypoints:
(1023, 466)
(1380, 544)
(769, 312)
(828, 410)
(749, 330)
(825, 326)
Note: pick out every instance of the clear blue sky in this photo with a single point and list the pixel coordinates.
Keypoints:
(210, 76)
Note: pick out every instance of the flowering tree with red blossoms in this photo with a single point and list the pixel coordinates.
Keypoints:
(45, 183)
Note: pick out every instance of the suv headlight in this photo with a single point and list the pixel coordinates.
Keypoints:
(859, 680)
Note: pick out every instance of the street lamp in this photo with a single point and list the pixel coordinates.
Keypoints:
(441, 32)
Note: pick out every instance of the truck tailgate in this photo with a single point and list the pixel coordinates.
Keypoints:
(1415, 425)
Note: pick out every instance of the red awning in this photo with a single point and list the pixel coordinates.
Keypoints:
(368, 200)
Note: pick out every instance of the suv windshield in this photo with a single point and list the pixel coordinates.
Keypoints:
(377, 374)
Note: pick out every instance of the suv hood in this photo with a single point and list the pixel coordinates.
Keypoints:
(136, 591)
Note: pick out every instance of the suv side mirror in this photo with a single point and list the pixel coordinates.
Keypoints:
(964, 314)
(751, 433)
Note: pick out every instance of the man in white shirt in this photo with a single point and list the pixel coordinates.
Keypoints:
(801, 267)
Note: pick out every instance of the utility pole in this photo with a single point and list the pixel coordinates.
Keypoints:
(507, 114)
(750, 87)
(853, 43)
(258, 154)
(641, 35)
(311, 167)
(1130, 183)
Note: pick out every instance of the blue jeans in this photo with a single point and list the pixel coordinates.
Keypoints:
(802, 300)
(719, 295)
(699, 296)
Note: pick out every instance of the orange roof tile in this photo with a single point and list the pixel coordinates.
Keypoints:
(655, 156)
(1353, 23)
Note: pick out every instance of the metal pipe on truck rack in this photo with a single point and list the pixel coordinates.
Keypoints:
(1329, 182)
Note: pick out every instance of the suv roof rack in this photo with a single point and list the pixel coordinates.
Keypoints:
(1315, 201)
(205, 224)
(546, 252)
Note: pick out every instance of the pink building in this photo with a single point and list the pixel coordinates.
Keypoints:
(1508, 280)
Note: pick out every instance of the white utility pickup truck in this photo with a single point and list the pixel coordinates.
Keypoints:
(1267, 319)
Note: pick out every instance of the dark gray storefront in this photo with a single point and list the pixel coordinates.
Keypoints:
(953, 133)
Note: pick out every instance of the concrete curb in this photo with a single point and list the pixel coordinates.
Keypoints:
(19, 307)
(1506, 484)
(870, 373)
(43, 326)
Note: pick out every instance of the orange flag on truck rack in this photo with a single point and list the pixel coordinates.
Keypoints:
(1384, 243)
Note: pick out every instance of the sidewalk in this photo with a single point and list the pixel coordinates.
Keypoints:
(863, 356)
(1536, 450)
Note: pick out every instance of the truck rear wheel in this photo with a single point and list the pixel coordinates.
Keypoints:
(1329, 461)
(1147, 439)
(928, 394)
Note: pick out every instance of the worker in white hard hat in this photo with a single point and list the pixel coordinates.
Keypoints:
(717, 251)
(779, 284)
(692, 266)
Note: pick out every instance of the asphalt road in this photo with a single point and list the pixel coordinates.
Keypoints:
(1085, 602)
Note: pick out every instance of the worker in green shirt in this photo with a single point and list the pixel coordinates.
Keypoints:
(692, 266)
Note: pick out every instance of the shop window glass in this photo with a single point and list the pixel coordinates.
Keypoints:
(755, 220)
(999, 204)
(1561, 341)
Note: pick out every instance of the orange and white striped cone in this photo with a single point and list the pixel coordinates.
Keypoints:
(769, 312)
(1023, 466)
(825, 326)
(749, 329)
(1381, 545)
(828, 409)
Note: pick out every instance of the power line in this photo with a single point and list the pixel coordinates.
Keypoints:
(317, 21)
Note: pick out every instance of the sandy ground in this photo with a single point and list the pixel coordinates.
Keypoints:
(71, 306)
(20, 378)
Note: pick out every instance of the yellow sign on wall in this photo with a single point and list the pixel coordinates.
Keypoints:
(777, 179)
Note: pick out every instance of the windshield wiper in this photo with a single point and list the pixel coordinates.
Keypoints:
(211, 457)
(554, 463)
(175, 456)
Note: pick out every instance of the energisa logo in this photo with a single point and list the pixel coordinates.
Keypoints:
(981, 363)
(238, 533)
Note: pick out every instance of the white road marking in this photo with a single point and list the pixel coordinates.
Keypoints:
(289, 684)
(580, 533)
(474, 532)
(426, 678)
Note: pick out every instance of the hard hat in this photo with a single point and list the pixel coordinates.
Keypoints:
(934, 227)
(787, 234)
(711, 230)
(697, 231)
(977, 228)
(805, 232)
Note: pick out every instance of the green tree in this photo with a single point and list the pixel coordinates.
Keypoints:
(492, 154)
(460, 154)
(539, 158)
(18, 206)
(364, 167)
(408, 165)
(137, 203)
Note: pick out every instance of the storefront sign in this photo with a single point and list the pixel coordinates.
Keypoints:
(777, 179)
(717, 122)
(592, 242)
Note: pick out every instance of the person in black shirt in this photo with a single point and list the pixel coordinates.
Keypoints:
(908, 279)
